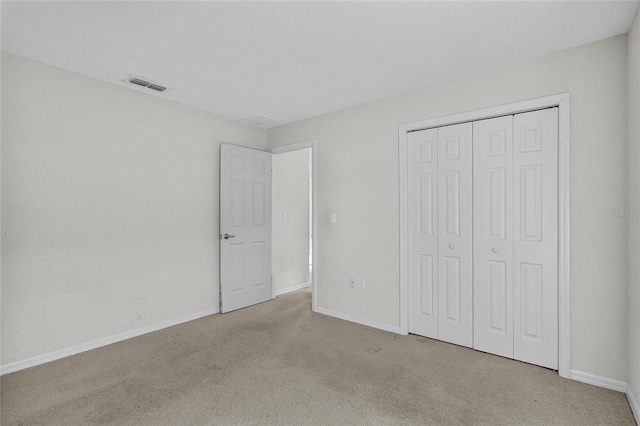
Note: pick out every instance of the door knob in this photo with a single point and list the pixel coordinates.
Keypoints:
(495, 249)
(451, 246)
(227, 236)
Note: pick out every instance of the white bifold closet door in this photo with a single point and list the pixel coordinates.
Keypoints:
(515, 162)
(483, 235)
(441, 259)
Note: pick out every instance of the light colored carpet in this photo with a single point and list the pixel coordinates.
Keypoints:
(278, 363)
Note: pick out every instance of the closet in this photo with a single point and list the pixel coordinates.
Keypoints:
(483, 235)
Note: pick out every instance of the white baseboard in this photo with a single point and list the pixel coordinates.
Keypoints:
(634, 405)
(94, 344)
(293, 288)
(602, 382)
(358, 320)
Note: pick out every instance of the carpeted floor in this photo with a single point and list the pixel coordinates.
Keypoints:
(278, 363)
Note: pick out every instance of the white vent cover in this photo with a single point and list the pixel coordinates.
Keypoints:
(260, 120)
(138, 81)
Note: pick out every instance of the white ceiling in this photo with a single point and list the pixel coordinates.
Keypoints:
(292, 60)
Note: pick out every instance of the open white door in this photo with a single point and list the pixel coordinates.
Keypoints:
(245, 227)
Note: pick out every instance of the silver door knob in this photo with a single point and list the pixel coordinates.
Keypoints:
(227, 236)
(451, 246)
(495, 249)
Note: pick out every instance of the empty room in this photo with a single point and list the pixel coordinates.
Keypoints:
(301, 213)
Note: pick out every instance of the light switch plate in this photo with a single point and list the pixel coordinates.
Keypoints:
(333, 218)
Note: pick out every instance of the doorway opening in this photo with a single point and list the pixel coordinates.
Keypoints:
(293, 239)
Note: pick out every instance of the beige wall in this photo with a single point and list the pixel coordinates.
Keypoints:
(357, 177)
(633, 122)
(291, 237)
(109, 208)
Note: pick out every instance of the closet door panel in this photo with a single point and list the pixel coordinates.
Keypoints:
(535, 205)
(423, 228)
(455, 250)
(493, 235)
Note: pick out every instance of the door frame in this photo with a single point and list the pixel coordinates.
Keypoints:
(562, 101)
(314, 240)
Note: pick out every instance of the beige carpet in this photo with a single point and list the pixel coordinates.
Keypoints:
(280, 364)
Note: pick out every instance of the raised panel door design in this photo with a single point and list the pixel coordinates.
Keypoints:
(536, 239)
(245, 227)
(425, 151)
(451, 282)
(493, 235)
(455, 234)
(237, 203)
(451, 195)
(451, 148)
(507, 177)
(531, 301)
(497, 277)
(426, 285)
(257, 263)
(236, 263)
(258, 166)
(531, 202)
(497, 195)
(258, 204)
(237, 163)
(425, 204)
(531, 138)
(497, 142)
(423, 239)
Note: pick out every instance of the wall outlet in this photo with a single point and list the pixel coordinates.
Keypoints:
(362, 284)
(352, 282)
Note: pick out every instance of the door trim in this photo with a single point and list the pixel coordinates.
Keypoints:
(562, 101)
(314, 241)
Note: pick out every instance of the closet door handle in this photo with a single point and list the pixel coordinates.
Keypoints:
(227, 236)
(451, 246)
(495, 249)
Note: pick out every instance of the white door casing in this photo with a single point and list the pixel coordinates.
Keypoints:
(455, 239)
(535, 166)
(423, 238)
(493, 235)
(245, 227)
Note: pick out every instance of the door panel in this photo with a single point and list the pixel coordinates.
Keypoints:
(426, 286)
(493, 236)
(423, 242)
(455, 249)
(451, 283)
(536, 238)
(245, 217)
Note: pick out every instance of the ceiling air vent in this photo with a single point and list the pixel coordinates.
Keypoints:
(145, 83)
(260, 120)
